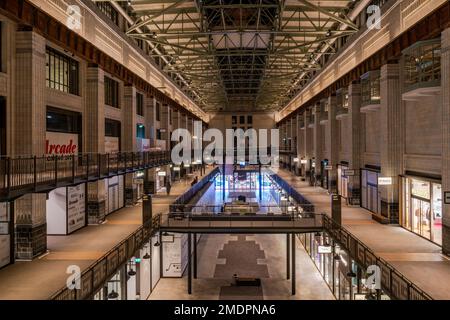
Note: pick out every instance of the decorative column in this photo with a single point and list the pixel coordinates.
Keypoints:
(308, 145)
(354, 105)
(165, 124)
(129, 140)
(95, 140)
(445, 58)
(28, 131)
(391, 146)
(150, 119)
(300, 141)
(332, 137)
(318, 144)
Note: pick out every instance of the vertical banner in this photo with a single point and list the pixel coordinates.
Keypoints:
(76, 208)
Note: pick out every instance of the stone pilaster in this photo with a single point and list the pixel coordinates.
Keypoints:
(391, 146)
(130, 119)
(131, 192)
(308, 145)
(332, 138)
(318, 143)
(95, 140)
(95, 110)
(28, 131)
(445, 58)
(151, 120)
(129, 140)
(165, 124)
(354, 102)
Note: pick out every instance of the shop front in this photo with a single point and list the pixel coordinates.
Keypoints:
(370, 198)
(115, 195)
(421, 207)
(342, 180)
(137, 278)
(344, 277)
(66, 210)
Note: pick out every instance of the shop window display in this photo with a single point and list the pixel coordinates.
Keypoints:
(422, 208)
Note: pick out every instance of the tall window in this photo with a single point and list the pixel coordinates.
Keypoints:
(111, 92)
(61, 72)
(109, 11)
(158, 111)
(140, 104)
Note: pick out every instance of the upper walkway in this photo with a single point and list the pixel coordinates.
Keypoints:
(416, 258)
(43, 277)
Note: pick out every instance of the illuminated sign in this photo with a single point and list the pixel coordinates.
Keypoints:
(384, 181)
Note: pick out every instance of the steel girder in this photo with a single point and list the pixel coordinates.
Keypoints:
(252, 55)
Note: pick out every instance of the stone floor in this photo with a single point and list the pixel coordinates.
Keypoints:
(41, 278)
(418, 259)
(261, 256)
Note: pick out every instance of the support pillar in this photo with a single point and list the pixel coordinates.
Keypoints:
(354, 106)
(445, 58)
(195, 256)
(294, 267)
(95, 140)
(288, 256)
(318, 143)
(130, 141)
(391, 146)
(332, 137)
(308, 146)
(28, 136)
(189, 263)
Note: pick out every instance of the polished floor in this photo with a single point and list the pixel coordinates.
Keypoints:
(420, 260)
(41, 278)
(259, 256)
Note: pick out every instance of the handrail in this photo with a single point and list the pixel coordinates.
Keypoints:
(94, 276)
(364, 256)
(189, 195)
(22, 175)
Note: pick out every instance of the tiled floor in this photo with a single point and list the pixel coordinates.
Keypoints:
(41, 278)
(418, 259)
(266, 258)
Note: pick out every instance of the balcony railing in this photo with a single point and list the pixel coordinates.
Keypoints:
(423, 65)
(22, 175)
(392, 281)
(341, 103)
(370, 88)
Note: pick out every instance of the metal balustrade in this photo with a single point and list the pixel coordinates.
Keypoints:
(22, 175)
(394, 283)
(237, 221)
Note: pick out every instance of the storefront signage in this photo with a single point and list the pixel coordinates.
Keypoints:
(61, 143)
(325, 249)
(304, 162)
(76, 211)
(349, 173)
(447, 197)
(384, 181)
(328, 168)
(420, 189)
(296, 160)
(162, 174)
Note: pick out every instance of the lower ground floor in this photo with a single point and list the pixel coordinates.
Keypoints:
(220, 257)
(412, 255)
